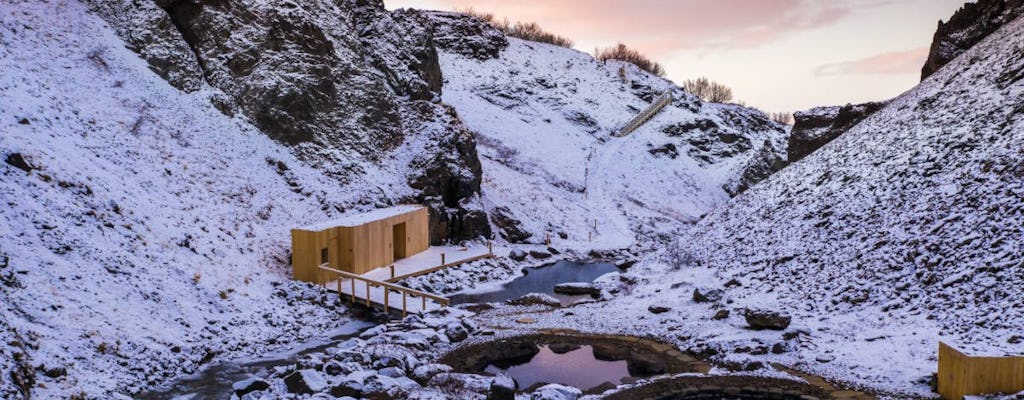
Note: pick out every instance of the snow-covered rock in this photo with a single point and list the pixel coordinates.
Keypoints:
(555, 391)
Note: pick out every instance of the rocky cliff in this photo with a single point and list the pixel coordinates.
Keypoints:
(968, 26)
(816, 127)
(344, 84)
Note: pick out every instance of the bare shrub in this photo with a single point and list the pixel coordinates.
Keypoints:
(708, 90)
(624, 53)
(523, 30)
(784, 118)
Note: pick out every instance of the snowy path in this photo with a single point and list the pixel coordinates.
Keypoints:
(610, 226)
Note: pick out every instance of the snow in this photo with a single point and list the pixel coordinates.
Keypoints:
(904, 231)
(431, 258)
(153, 233)
(353, 218)
(543, 116)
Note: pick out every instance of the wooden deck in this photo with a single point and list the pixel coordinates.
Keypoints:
(377, 288)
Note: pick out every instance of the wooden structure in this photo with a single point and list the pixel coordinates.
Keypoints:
(960, 374)
(359, 243)
(379, 292)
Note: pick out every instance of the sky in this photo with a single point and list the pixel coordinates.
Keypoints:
(777, 55)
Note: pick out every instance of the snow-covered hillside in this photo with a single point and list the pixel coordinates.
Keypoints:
(906, 230)
(543, 116)
(142, 231)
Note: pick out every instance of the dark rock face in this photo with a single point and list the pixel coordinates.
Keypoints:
(401, 45)
(816, 127)
(447, 173)
(149, 31)
(509, 227)
(342, 82)
(293, 71)
(466, 35)
(968, 26)
(767, 161)
(765, 319)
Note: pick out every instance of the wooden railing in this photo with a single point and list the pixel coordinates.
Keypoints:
(645, 115)
(388, 288)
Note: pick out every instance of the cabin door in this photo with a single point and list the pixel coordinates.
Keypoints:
(398, 240)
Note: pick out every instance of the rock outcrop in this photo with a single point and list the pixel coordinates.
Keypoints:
(466, 35)
(816, 127)
(968, 26)
(149, 31)
(346, 84)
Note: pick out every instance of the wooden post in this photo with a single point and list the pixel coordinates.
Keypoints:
(392, 270)
(547, 238)
(424, 303)
(490, 247)
(403, 303)
(353, 290)
(386, 296)
(339, 289)
(442, 258)
(367, 293)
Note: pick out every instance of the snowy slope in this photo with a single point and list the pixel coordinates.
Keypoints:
(543, 116)
(143, 232)
(904, 231)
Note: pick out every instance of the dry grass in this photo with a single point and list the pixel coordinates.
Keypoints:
(624, 53)
(523, 30)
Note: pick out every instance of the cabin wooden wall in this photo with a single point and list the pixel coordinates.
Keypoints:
(357, 249)
(960, 374)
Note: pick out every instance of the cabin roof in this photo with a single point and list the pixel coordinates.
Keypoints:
(356, 218)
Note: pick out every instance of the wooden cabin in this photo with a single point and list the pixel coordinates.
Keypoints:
(960, 374)
(360, 242)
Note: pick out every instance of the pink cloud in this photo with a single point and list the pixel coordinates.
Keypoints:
(895, 62)
(659, 27)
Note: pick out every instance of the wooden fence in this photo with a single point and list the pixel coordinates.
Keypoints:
(388, 288)
(960, 374)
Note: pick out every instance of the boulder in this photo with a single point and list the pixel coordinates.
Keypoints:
(18, 161)
(247, 386)
(392, 372)
(658, 309)
(456, 332)
(539, 254)
(705, 295)
(578, 288)
(517, 254)
(502, 388)
(305, 381)
(555, 391)
(425, 372)
(766, 319)
(562, 348)
(531, 299)
(720, 315)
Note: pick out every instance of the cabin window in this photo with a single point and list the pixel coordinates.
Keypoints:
(323, 256)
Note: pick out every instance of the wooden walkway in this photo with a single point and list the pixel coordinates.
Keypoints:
(645, 115)
(377, 288)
